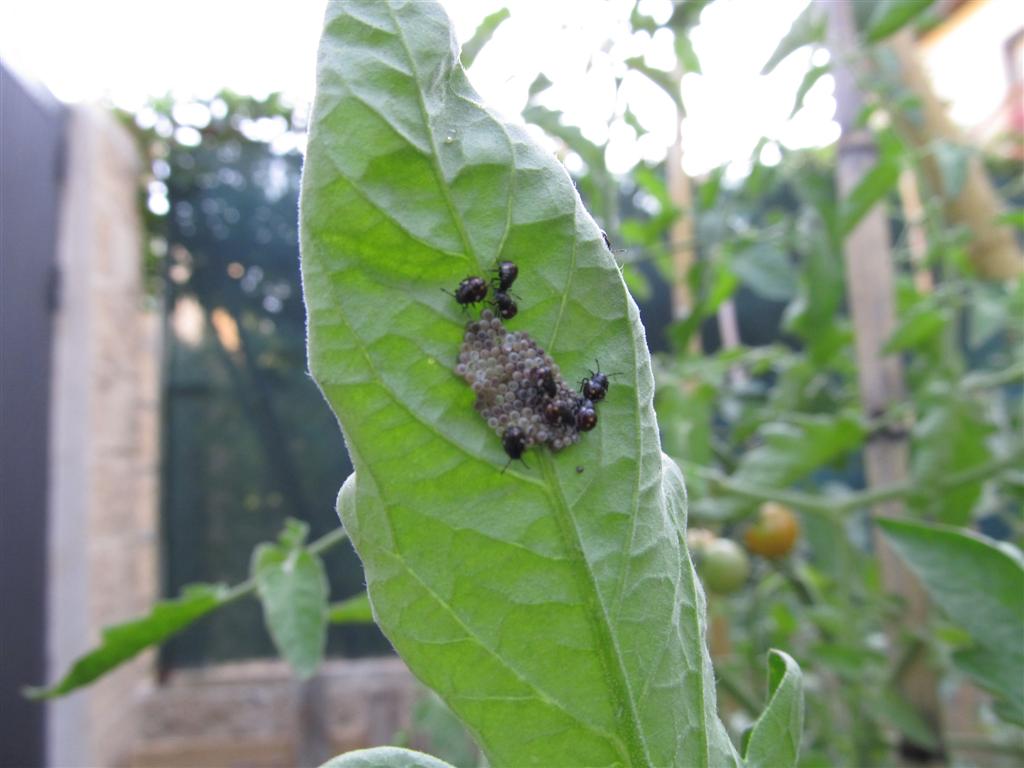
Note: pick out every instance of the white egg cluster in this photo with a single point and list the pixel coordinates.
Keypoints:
(517, 385)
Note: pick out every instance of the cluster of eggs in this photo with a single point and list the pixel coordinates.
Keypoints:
(519, 388)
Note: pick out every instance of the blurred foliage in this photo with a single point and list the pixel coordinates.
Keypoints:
(248, 439)
(779, 418)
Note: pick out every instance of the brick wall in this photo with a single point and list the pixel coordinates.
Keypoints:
(103, 515)
(104, 524)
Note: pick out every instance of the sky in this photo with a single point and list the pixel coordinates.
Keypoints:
(124, 51)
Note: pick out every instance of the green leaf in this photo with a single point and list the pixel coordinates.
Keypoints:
(951, 437)
(873, 187)
(890, 709)
(554, 610)
(922, 323)
(988, 313)
(664, 80)
(808, 28)
(774, 740)
(122, 642)
(354, 610)
(385, 757)
(293, 588)
(890, 16)
(767, 271)
(813, 75)
(707, 192)
(979, 585)
(990, 672)
(794, 448)
(685, 54)
(482, 36)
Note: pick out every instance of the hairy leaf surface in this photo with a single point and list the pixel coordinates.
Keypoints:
(385, 757)
(553, 606)
(774, 740)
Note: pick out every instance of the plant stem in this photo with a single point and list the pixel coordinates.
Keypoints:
(900, 490)
(966, 743)
(805, 501)
(990, 380)
(832, 509)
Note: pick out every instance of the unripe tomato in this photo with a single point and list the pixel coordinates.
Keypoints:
(774, 533)
(697, 539)
(724, 566)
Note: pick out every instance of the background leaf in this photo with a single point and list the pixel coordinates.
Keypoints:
(123, 641)
(766, 271)
(980, 586)
(876, 184)
(484, 32)
(808, 28)
(813, 76)
(354, 610)
(385, 757)
(890, 16)
(555, 610)
(774, 740)
(293, 588)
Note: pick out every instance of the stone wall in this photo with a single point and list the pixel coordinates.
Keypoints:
(104, 524)
(255, 714)
(103, 513)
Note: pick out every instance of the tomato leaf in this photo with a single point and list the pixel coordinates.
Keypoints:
(122, 642)
(979, 585)
(292, 586)
(484, 32)
(774, 739)
(555, 610)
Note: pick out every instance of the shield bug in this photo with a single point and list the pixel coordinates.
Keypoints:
(471, 290)
(505, 274)
(506, 307)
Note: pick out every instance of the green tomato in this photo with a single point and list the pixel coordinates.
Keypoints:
(724, 566)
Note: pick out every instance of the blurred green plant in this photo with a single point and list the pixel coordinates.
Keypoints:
(781, 421)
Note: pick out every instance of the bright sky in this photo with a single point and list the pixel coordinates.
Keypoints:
(127, 50)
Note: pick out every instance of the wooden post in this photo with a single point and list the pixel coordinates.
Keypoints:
(682, 232)
(870, 290)
(993, 247)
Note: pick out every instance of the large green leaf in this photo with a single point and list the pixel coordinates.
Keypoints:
(774, 740)
(979, 584)
(121, 642)
(553, 606)
(293, 588)
(385, 757)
